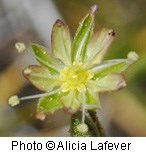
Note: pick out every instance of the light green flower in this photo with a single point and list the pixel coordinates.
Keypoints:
(74, 73)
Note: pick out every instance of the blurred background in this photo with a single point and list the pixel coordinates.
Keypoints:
(123, 112)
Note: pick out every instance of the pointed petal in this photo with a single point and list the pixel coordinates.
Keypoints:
(98, 45)
(61, 42)
(113, 66)
(41, 77)
(110, 82)
(92, 100)
(50, 103)
(82, 37)
(45, 58)
(71, 100)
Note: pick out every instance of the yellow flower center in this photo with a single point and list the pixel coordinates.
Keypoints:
(75, 77)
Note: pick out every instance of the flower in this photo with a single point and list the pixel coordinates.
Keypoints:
(72, 75)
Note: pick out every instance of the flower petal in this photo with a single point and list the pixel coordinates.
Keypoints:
(43, 57)
(50, 103)
(41, 77)
(61, 42)
(98, 45)
(92, 100)
(71, 100)
(82, 37)
(110, 82)
(113, 66)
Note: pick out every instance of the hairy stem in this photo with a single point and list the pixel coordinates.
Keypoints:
(95, 119)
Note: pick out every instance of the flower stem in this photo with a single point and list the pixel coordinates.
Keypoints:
(99, 127)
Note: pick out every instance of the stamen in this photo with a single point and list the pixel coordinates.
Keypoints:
(83, 108)
(133, 56)
(83, 114)
(20, 47)
(39, 95)
(15, 100)
(83, 128)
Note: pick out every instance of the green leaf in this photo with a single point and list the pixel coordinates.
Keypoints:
(98, 45)
(50, 104)
(45, 58)
(82, 37)
(41, 77)
(61, 42)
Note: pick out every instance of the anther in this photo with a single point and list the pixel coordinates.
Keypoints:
(20, 47)
(133, 56)
(83, 128)
(14, 101)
